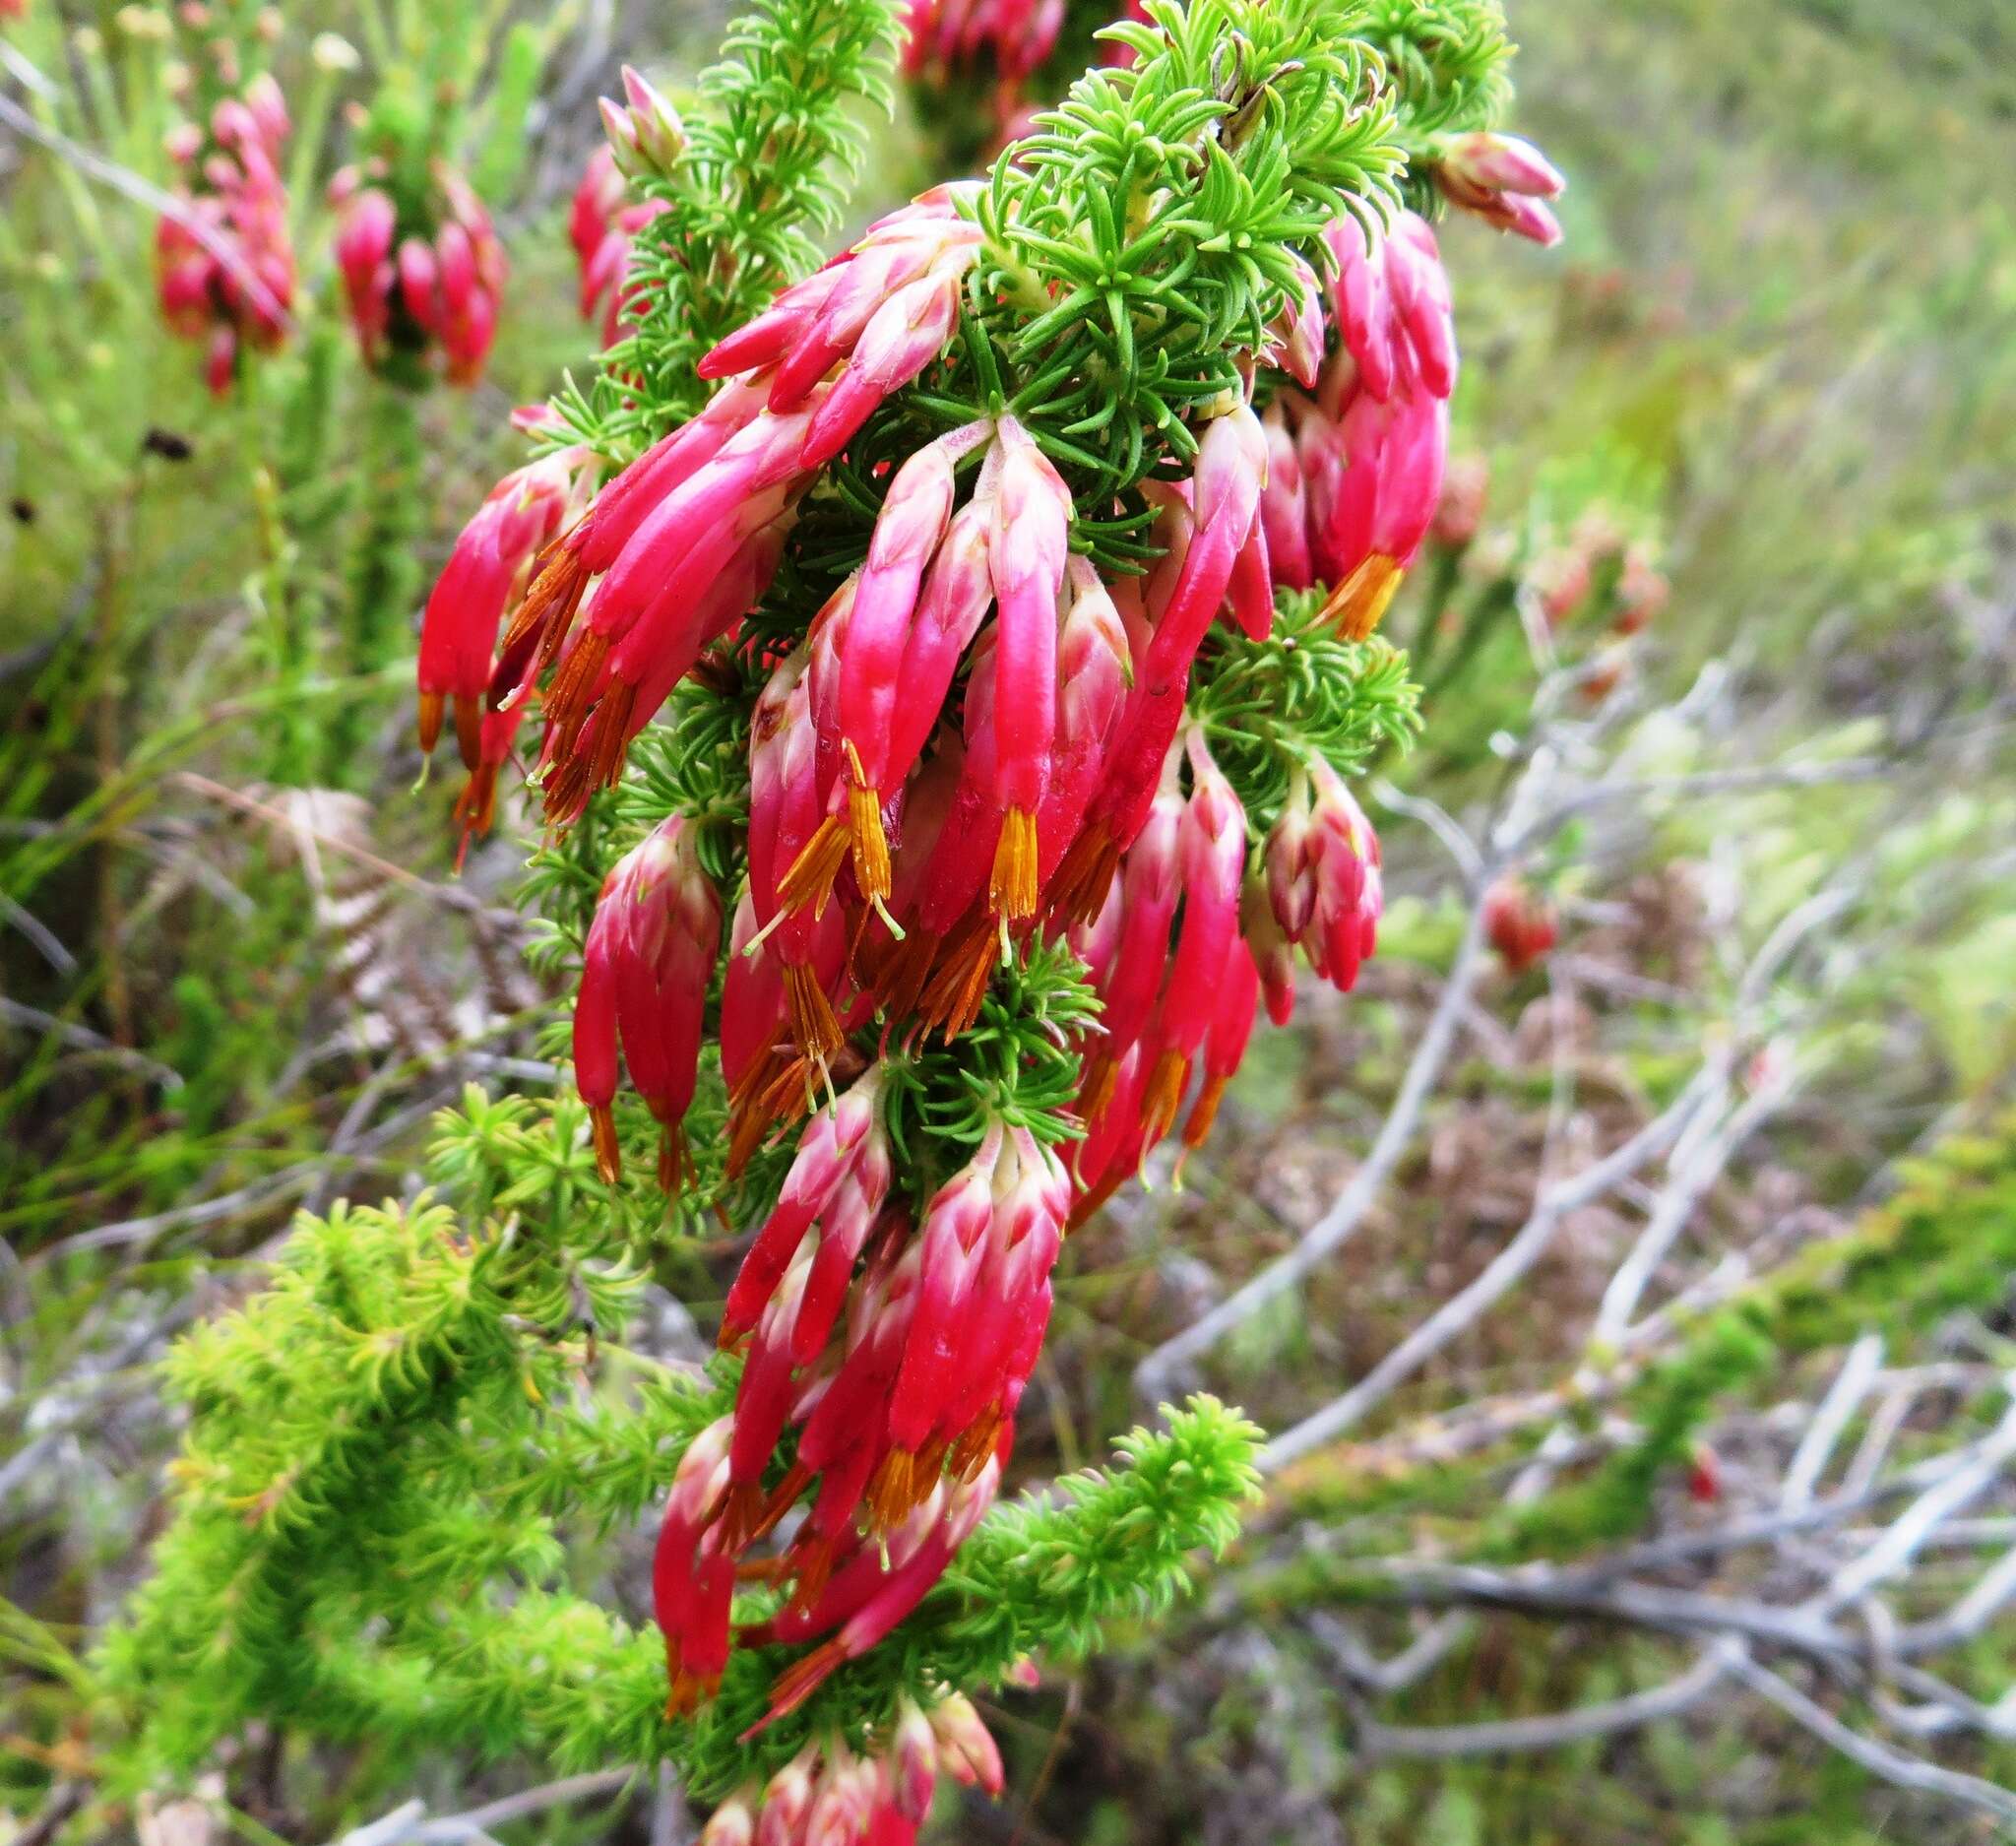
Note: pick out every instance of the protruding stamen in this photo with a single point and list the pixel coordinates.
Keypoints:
(871, 842)
(1164, 1094)
(811, 878)
(1360, 603)
(609, 1159)
(811, 1012)
(468, 728)
(1079, 887)
(1013, 887)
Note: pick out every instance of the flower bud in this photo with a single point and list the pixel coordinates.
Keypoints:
(733, 1823)
(659, 134)
(913, 1762)
(1493, 163)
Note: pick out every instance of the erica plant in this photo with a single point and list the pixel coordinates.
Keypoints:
(942, 673)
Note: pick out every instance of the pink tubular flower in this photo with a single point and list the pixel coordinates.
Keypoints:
(645, 132)
(232, 286)
(425, 288)
(1029, 546)
(1212, 849)
(649, 956)
(828, 1796)
(842, 1154)
(602, 228)
(1503, 180)
(1324, 886)
(1355, 465)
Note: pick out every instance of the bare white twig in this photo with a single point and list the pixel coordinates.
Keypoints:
(1511, 1263)
(1844, 1398)
(1515, 1736)
(1895, 1766)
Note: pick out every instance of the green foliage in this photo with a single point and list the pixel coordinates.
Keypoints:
(1270, 707)
(1105, 320)
(773, 150)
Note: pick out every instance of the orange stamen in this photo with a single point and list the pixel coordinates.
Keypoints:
(611, 734)
(675, 1164)
(432, 707)
(476, 806)
(608, 1160)
(1164, 1094)
(811, 878)
(1360, 603)
(1079, 886)
(812, 1560)
(888, 1493)
(689, 1691)
(797, 1682)
(1096, 1090)
(871, 842)
(951, 998)
(572, 693)
(798, 1477)
(468, 728)
(971, 1453)
(811, 1012)
(1012, 890)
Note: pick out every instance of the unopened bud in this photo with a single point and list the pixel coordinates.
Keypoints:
(1503, 164)
(622, 138)
(661, 137)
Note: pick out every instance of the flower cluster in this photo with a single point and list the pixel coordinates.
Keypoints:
(997, 594)
(829, 1794)
(422, 277)
(895, 1386)
(1355, 456)
(1010, 38)
(232, 286)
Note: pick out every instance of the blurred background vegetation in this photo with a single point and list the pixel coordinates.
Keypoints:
(1778, 349)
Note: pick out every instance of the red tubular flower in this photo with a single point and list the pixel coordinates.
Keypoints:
(234, 285)
(458, 630)
(1519, 924)
(1211, 848)
(1324, 889)
(649, 956)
